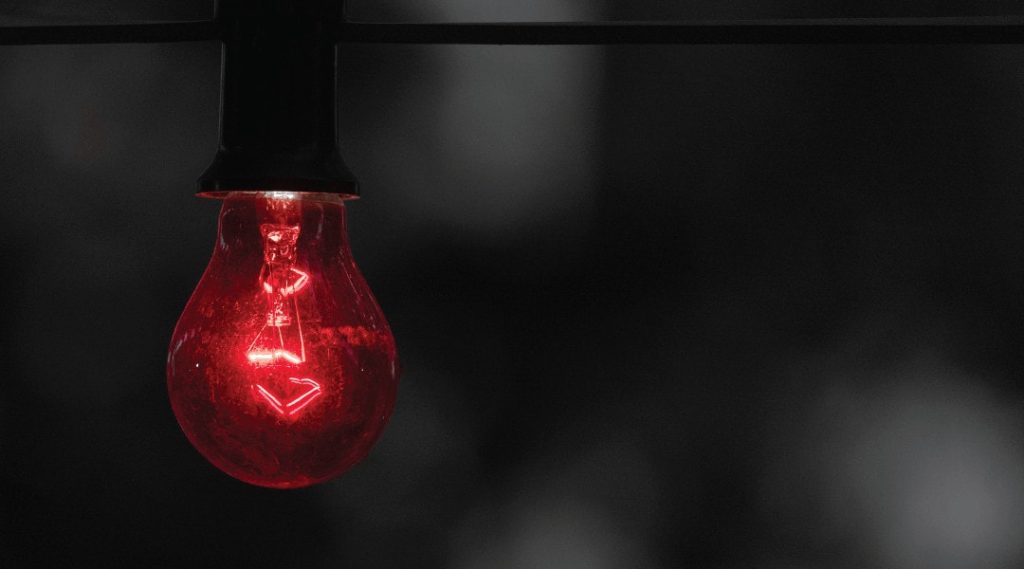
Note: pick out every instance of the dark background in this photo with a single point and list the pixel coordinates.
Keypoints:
(657, 306)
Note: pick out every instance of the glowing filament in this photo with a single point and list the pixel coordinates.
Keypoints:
(261, 357)
(281, 335)
(297, 403)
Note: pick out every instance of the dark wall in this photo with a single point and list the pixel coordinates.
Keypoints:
(657, 306)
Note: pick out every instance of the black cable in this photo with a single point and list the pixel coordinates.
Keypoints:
(987, 30)
(156, 32)
(984, 30)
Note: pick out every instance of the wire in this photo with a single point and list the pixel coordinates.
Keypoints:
(983, 30)
(155, 32)
(986, 30)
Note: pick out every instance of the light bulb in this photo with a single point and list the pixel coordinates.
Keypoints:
(282, 370)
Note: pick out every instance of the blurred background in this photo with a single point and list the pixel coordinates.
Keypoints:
(711, 307)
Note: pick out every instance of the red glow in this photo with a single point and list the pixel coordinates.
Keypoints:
(282, 370)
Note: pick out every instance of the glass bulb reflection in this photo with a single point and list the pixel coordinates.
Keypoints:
(282, 370)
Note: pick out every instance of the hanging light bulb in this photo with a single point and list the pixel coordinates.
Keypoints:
(282, 370)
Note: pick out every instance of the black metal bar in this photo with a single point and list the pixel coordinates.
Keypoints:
(154, 32)
(983, 30)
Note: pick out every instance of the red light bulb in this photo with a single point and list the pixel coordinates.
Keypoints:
(282, 370)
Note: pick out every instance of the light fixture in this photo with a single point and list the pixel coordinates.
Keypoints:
(282, 370)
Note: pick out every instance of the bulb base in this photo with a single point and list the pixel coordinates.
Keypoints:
(291, 171)
(278, 127)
